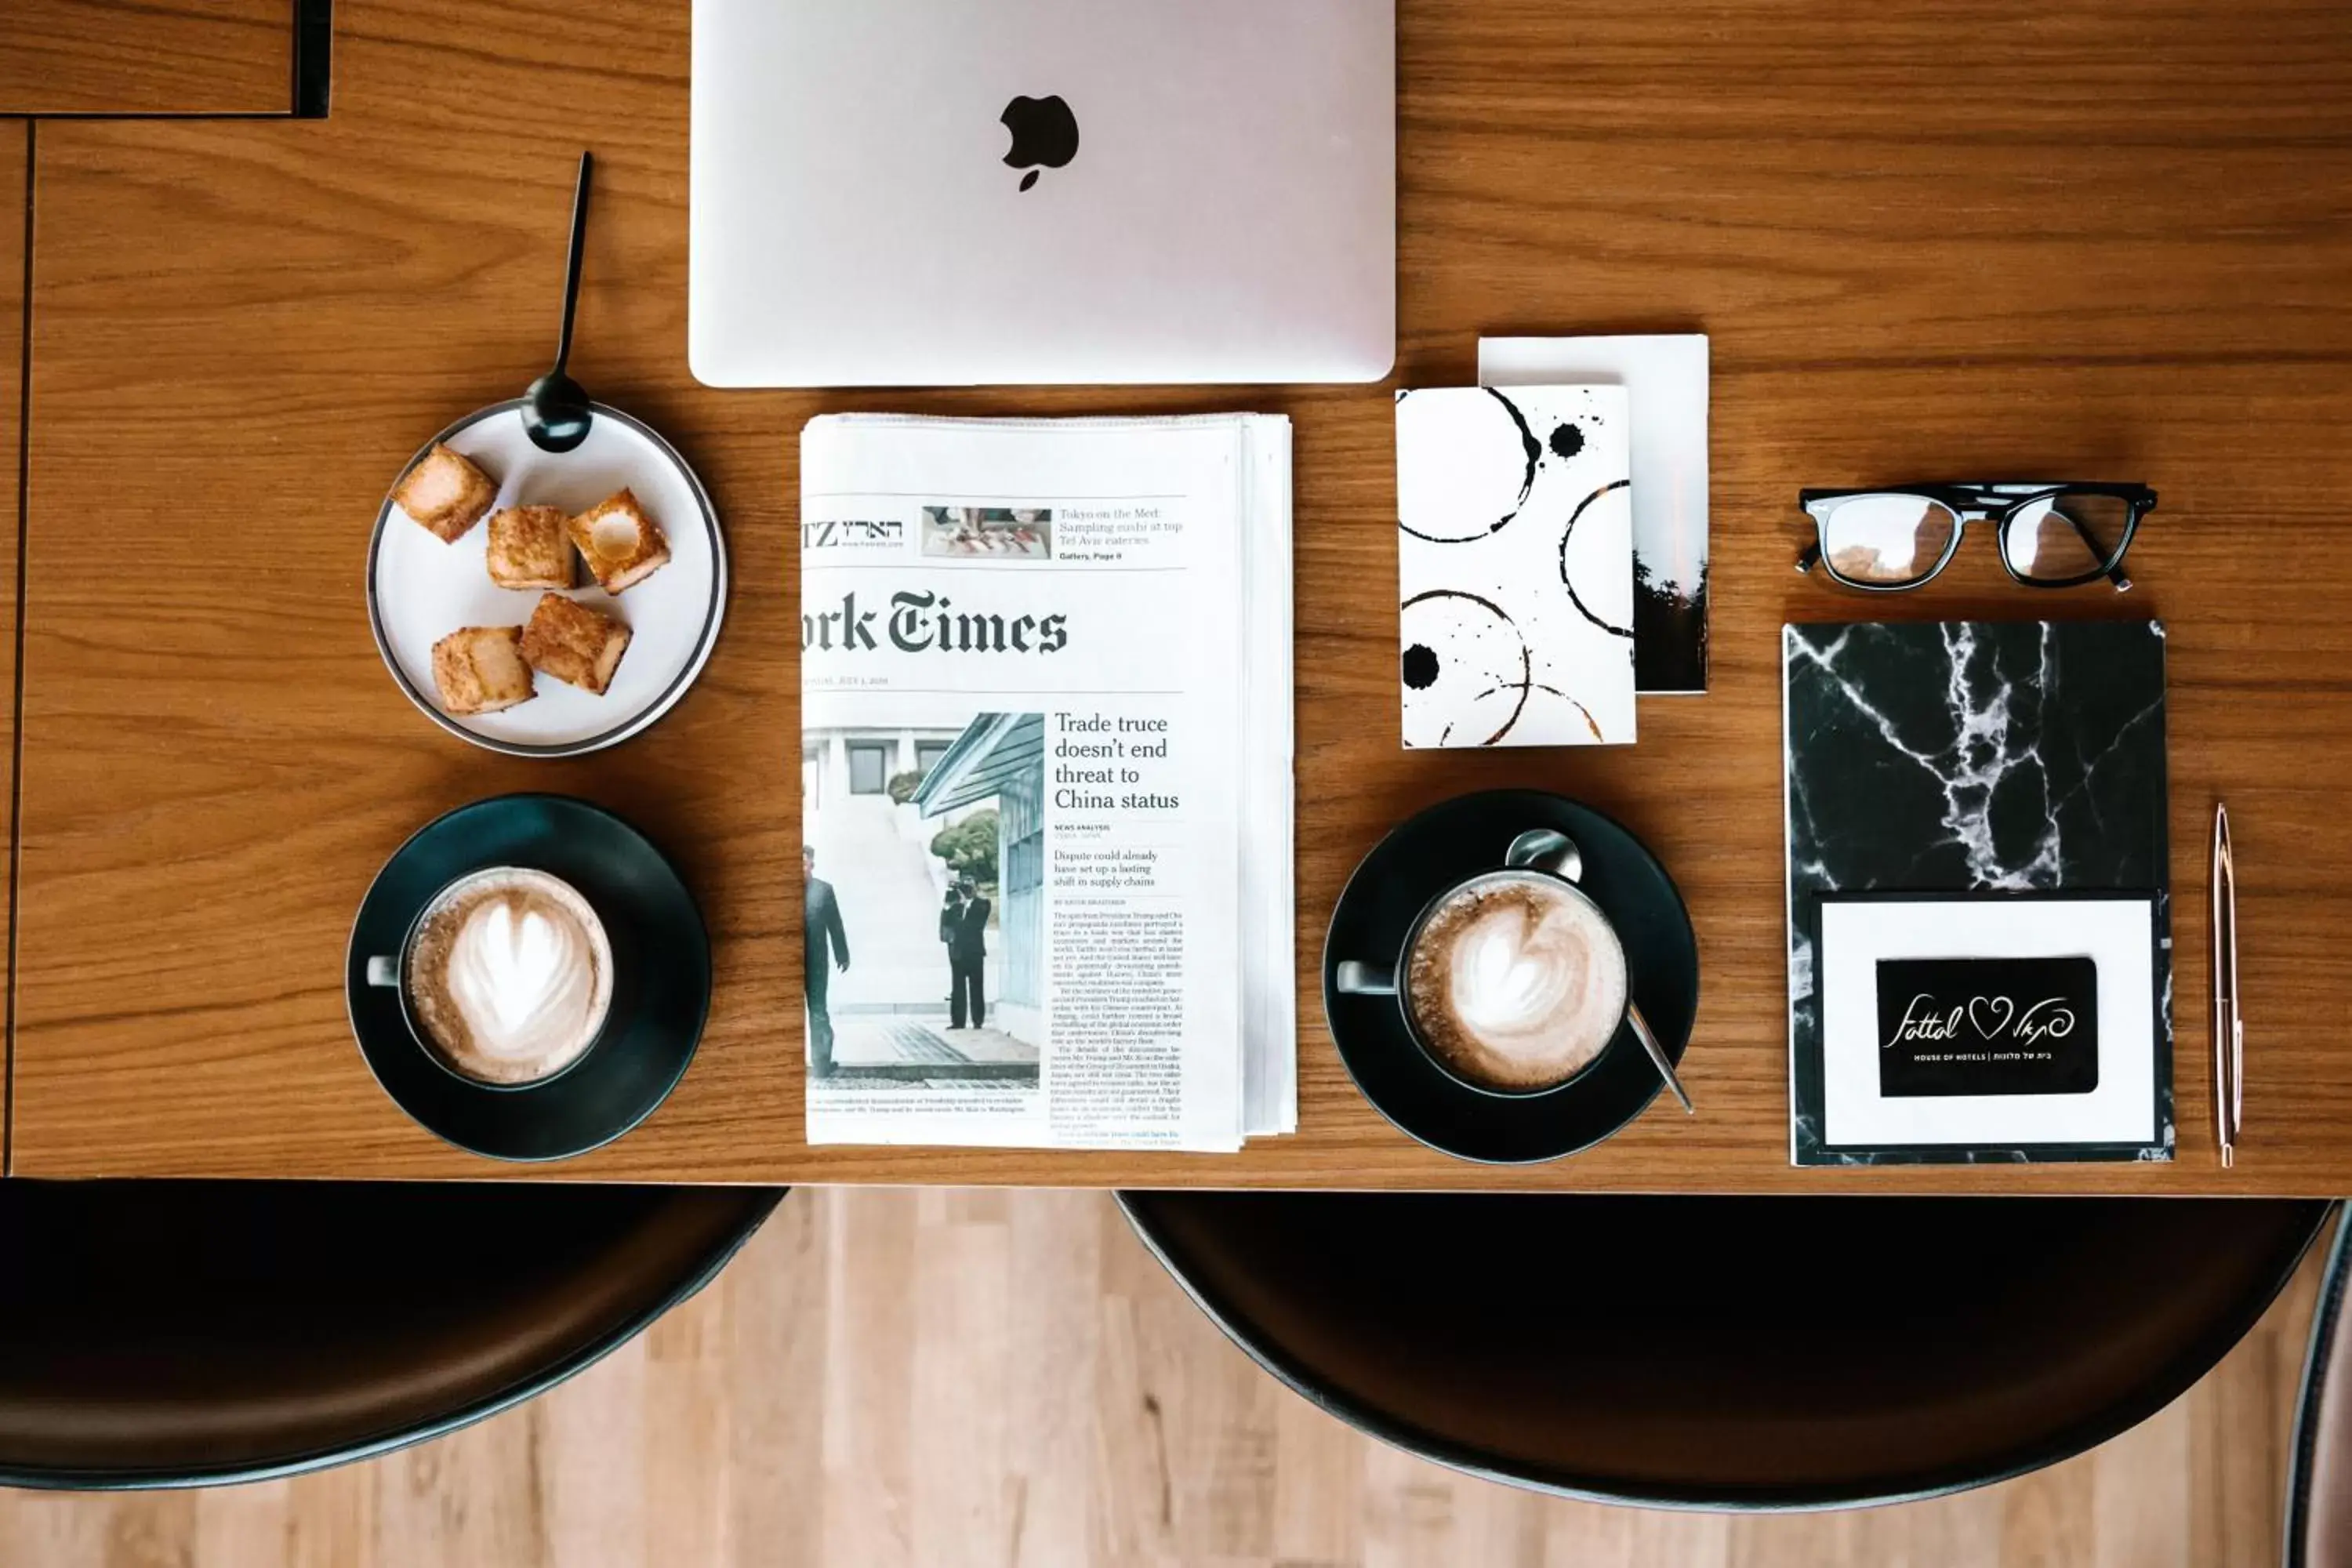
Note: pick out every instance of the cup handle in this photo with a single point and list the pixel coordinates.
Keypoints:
(1356, 979)
(384, 971)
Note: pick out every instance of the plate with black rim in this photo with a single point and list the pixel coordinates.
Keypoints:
(419, 589)
(661, 978)
(1429, 853)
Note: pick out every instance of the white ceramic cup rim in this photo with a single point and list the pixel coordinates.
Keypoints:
(1492, 877)
(392, 970)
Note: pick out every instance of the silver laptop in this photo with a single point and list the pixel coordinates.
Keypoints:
(950, 192)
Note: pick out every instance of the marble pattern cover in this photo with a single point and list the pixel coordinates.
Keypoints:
(1515, 566)
(1970, 756)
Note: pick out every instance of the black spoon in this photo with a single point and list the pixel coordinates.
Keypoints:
(557, 417)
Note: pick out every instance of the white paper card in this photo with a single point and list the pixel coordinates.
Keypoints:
(1515, 566)
(2115, 933)
(1666, 377)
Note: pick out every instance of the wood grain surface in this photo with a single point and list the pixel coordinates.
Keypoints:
(147, 57)
(16, 163)
(1007, 1379)
(2104, 238)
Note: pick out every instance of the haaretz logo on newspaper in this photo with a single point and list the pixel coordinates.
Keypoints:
(853, 533)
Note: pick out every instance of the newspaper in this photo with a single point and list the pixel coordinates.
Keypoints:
(1046, 781)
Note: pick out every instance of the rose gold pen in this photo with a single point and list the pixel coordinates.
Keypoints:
(2229, 1025)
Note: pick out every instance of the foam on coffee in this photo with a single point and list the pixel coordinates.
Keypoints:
(509, 975)
(1516, 982)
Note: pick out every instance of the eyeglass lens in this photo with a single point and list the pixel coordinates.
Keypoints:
(2066, 537)
(1884, 540)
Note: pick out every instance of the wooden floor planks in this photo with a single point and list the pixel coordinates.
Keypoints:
(902, 1379)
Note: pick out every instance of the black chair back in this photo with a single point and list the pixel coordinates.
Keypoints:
(161, 1333)
(2318, 1531)
(1732, 1352)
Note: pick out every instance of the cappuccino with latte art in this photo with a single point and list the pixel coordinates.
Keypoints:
(509, 975)
(1515, 982)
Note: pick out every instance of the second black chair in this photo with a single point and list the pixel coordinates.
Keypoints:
(1732, 1352)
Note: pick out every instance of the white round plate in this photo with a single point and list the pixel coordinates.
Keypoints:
(420, 590)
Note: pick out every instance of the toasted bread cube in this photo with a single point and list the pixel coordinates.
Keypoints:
(621, 544)
(529, 549)
(446, 493)
(574, 643)
(480, 670)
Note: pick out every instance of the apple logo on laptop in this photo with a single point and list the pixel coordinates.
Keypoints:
(1044, 135)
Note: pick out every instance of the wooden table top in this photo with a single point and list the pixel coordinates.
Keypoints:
(16, 150)
(2107, 239)
(147, 57)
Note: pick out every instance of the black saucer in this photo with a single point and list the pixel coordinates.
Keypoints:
(1429, 853)
(661, 978)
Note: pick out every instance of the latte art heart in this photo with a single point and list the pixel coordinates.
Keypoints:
(1513, 969)
(1516, 982)
(521, 982)
(511, 976)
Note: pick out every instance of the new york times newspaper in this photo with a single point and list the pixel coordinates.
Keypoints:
(1046, 762)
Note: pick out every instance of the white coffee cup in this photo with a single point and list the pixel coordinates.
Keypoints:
(1511, 981)
(505, 976)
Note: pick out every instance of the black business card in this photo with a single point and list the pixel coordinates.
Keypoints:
(1988, 1026)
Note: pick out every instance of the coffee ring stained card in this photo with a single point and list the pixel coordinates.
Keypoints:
(1515, 566)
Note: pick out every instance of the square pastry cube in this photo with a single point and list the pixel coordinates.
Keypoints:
(574, 643)
(446, 493)
(480, 670)
(531, 549)
(621, 544)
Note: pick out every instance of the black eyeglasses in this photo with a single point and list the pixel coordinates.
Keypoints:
(2051, 535)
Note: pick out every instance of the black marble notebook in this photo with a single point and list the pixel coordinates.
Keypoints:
(1977, 763)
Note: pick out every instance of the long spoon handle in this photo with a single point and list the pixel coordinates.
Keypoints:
(1658, 1056)
(572, 266)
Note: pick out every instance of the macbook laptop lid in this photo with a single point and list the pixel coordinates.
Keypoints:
(942, 192)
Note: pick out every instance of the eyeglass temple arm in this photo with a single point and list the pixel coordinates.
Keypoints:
(1809, 557)
(2114, 574)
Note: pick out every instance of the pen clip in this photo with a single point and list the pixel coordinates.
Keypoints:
(2238, 1067)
